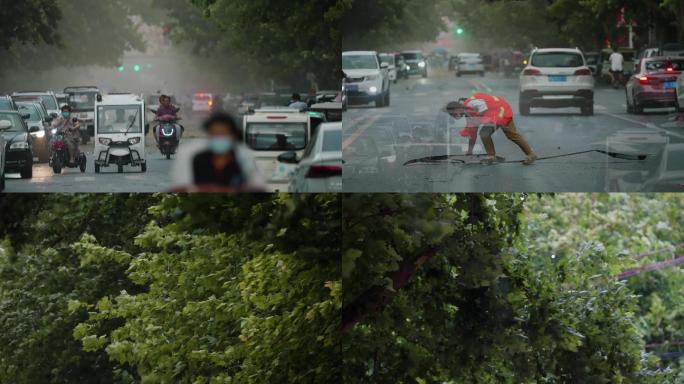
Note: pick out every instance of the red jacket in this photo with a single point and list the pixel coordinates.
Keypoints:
(498, 112)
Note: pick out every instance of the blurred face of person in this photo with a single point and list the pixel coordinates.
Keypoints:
(165, 101)
(221, 138)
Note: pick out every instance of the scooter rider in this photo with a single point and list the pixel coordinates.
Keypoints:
(71, 130)
(487, 113)
(167, 109)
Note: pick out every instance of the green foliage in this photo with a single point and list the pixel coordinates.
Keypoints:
(536, 306)
(87, 32)
(202, 288)
(384, 22)
(28, 21)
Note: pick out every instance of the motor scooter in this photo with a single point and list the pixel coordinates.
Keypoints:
(169, 134)
(59, 154)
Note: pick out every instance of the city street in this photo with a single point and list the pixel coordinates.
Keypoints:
(419, 129)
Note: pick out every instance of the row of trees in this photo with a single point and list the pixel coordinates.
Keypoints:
(281, 40)
(511, 289)
(169, 288)
(506, 23)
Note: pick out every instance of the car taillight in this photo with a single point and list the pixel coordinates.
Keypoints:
(323, 171)
(531, 72)
(644, 80)
(583, 72)
(210, 102)
(669, 69)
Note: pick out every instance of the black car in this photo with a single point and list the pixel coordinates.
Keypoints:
(7, 104)
(19, 145)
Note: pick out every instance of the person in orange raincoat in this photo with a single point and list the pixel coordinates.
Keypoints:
(486, 113)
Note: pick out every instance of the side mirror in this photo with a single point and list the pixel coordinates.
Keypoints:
(53, 115)
(25, 116)
(288, 158)
(384, 65)
(34, 129)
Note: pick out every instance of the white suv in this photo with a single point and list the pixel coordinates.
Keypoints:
(367, 79)
(556, 78)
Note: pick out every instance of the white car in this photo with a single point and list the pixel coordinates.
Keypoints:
(389, 59)
(48, 98)
(679, 98)
(367, 79)
(270, 132)
(203, 102)
(320, 168)
(556, 78)
(469, 63)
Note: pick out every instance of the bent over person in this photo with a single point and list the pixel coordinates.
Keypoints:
(488, 113)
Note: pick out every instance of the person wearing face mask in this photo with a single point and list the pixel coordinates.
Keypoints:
(224, 163)
(71, 130)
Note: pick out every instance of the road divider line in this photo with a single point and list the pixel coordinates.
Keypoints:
(359, 131)
(647, 125)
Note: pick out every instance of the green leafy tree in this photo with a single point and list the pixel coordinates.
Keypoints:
(29, 21)
(474, 289)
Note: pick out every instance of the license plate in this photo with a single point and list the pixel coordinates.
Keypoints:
(671, 85)
(558, 78)
(352, 88)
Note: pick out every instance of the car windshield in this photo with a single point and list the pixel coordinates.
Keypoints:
(6, 105)
(389, 59)
(557, 60)
(359, 62)
(82, 101)
(412, 56)
(30, 110)
(661, 65)
(276, 136)
(13, 119)
(48, 100)
(591, 59)
(332, 141)
(118, 119)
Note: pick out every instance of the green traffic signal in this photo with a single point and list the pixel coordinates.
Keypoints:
(136, 68)
(459, 31)
(120, 68)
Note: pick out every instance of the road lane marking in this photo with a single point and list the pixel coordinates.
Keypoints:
(647, 125)
(84, 178)
(359, 131)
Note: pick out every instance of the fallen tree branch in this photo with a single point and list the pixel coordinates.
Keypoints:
(651, 267)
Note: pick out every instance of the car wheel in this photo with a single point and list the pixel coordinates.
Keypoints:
(524, 107)
(678, 107)
(143, 167)
(119, 168)
(379, 101)
(27, 172)
(458, 74)
(387, 99)
(425, 75)
(588, 110)
(638, 109)
(630, 108)
(2, 183)
(97, 168)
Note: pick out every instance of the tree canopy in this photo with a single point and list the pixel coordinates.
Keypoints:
(170, 288)
(508, 288)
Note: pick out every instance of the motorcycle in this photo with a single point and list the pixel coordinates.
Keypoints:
(168, 135)
(59, 156)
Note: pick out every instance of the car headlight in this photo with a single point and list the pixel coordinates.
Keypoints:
(133, 140)
(421, 64)
(373, 89)
(19, 145)
(39, 134)
(105, 141)
(371, 77)
(54, 131)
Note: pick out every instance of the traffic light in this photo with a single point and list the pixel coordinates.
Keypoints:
(136, 68)
(459, 31)
(120, 68)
